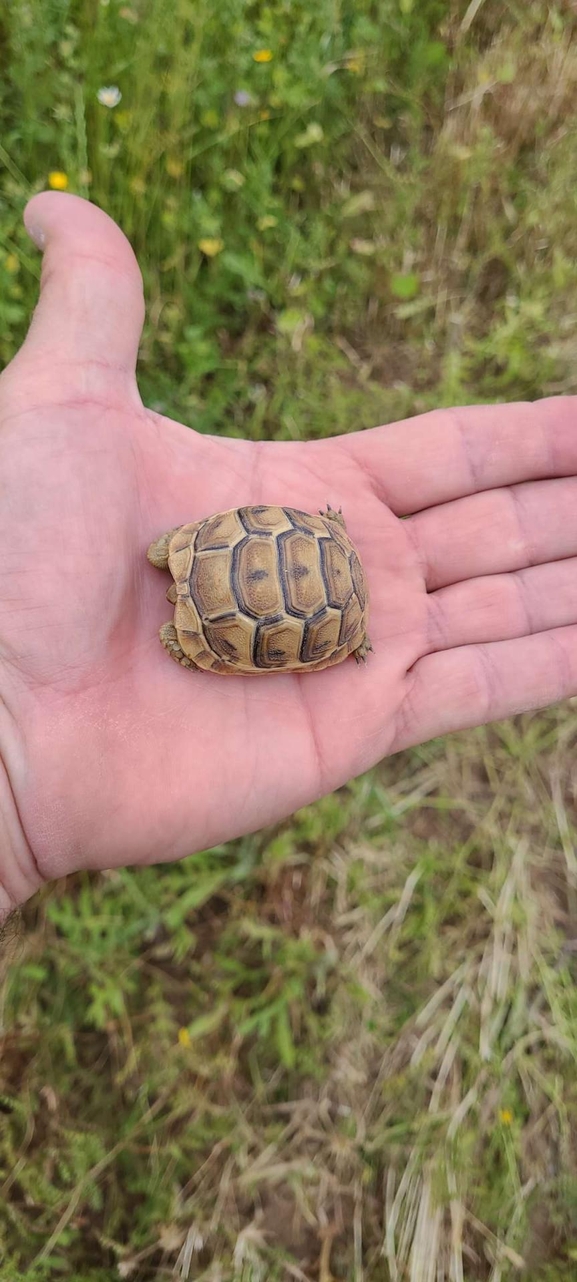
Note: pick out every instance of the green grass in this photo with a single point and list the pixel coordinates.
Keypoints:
(346, 1048)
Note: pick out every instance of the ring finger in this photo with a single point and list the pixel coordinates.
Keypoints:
(500, 607)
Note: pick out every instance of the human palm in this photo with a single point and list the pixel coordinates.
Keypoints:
(113, 753)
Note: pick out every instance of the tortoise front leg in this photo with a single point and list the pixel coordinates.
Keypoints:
(331, 515)
(171, 643)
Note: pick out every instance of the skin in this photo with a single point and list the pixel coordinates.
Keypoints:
(109, 753)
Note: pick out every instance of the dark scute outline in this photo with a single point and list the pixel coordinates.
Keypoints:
(358, 580)
(281, 539)
(196, 559)
(209, 623)
(235, 572)
(342, 639)
(214, 547)
(336, 605)
(316, 618)
(291, 512)
(271, 618)
(256, 507)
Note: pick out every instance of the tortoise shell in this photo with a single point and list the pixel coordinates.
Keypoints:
(259, 590)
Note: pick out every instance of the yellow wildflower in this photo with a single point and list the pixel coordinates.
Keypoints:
(174, 167)
(210, 118)
(264, 115)
(12, 264)
(184, 1037)
(263, 55)
(312, 134)
(356, 64)
(211, 246)
(505, 1117)
(267, 220)
(57, 180)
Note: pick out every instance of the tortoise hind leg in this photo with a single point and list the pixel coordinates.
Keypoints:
(158, 551)
(170, 642)
(362, 650)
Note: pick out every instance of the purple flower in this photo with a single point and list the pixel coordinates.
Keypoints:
(243, 98)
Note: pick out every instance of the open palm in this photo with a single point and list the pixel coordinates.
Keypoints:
(114, 754)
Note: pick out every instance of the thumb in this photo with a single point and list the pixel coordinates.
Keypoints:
(91, 306)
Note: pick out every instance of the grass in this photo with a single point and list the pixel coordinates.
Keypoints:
(344, 1048)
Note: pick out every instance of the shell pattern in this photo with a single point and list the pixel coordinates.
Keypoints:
(265, 589)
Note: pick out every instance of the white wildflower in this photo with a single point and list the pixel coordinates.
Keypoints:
(109, 95)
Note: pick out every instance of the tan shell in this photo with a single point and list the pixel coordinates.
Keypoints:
(259, 590)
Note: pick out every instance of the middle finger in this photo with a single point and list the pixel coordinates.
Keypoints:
(496, 531)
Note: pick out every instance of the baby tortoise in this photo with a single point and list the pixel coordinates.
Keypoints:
(263, 589)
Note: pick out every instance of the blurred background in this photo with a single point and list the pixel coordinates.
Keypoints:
(342, 1049)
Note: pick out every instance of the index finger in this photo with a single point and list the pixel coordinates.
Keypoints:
(449, 453)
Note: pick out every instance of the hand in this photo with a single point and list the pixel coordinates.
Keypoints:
(112, 752)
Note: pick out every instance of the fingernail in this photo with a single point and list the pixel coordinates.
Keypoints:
(36, 234)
